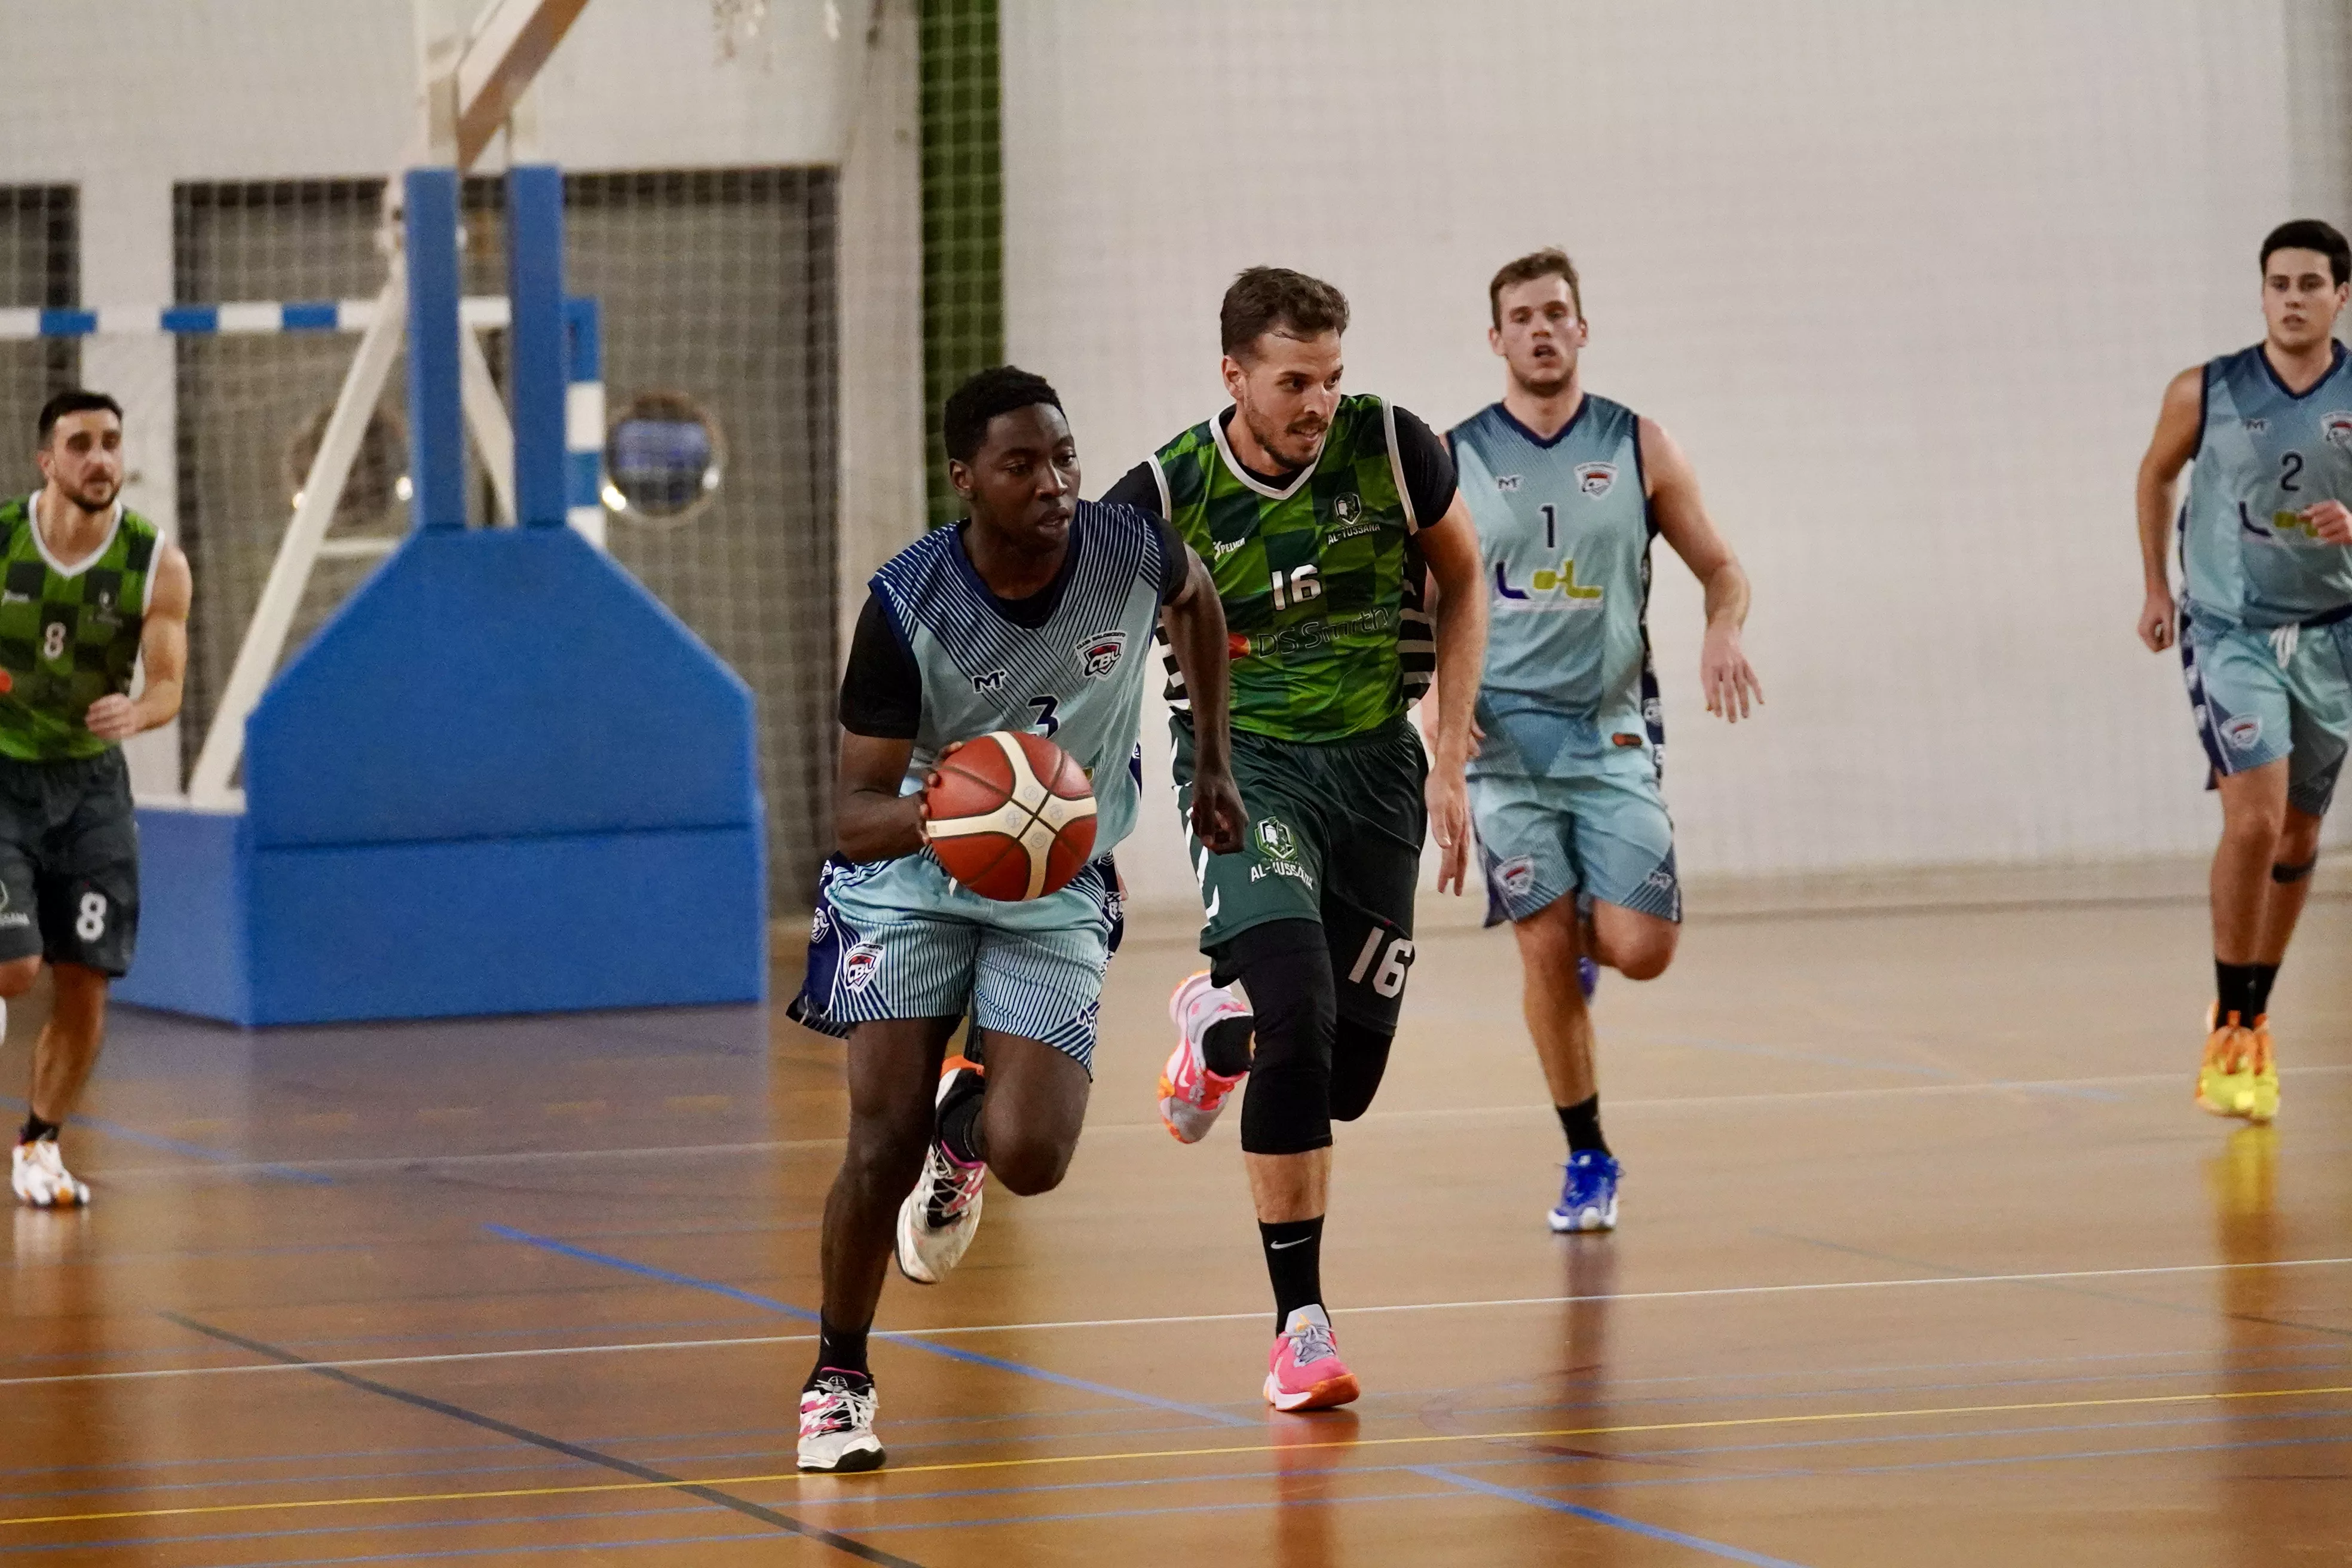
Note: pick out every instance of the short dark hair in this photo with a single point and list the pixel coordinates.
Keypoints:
(1277, 300)
(74, 402)
(985, 393)
(2310, 233)
(1551, 262)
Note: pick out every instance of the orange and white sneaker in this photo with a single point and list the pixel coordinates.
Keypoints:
(41, 1180)
(1190, 1094)
(1305, 1372)
(2225, 1078)
(2263, 1071)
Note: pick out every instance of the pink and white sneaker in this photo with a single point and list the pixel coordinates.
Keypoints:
(1305, 1372)
(1190, 1094)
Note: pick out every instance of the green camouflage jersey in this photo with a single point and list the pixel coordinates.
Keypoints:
(67, 637)
(1321, 580)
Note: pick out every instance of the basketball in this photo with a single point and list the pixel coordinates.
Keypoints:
(1011, 817)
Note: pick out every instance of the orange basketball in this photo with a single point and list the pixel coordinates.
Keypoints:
(1011, 817)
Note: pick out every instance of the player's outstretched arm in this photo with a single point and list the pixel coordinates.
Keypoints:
(1724, 672)
(2178, 428)
(871, 820)
(1450, 546)
(1195, 623)
(163, 652)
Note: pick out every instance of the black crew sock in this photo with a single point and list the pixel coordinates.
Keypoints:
(2235, 986)
(1581, 1123)
(1294, 1262)
(1225, 1045)
(2265, 973)
(959, 1120)
(838, 1349)
(34, 1128)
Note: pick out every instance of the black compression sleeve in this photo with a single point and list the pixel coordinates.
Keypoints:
(882, 690)
(1137, 487)
(1175, 562)
(1428, 468)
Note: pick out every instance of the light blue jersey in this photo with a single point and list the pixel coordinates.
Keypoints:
(1564, 529)
(2263, 454)
(1078, 680)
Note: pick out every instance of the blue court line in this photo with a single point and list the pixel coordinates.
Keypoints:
(192, 1150)
(947, 1353)
(1913, 1069)
(1615, 1521)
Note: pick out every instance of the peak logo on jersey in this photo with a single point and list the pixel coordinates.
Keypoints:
(1594, 479)
(1515, 876)
(1098, 655)
(1274, 838)
(2244, 732)
(1347, 508)
(1507, 483)
(983, 684)
(859, 965)
(2336, 426)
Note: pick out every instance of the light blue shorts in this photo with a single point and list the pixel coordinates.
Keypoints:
(2263, 693)
(895, 939)
(1603, 832)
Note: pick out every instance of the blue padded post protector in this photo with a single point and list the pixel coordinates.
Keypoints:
(436, 418)
(536, 348)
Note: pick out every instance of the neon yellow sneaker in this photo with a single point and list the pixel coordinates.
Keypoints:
(2225, 1079)
(2262, 1102)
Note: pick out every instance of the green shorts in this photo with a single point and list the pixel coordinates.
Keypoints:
(70, 862)
(1333, 835)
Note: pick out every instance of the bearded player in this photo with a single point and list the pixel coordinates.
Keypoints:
(1321, 514)
(1569, 489)
(91, 589)
(1033, 614)
(2265, 623)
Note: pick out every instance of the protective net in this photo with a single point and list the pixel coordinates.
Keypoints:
(716, 290)
(38, 253)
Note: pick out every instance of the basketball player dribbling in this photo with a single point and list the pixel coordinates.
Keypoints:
(1034, 613)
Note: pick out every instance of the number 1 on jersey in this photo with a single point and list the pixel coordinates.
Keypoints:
(1552, 526)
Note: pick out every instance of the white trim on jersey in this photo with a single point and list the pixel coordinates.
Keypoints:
(1396, 467)
(1225, 450)
(1167, 497)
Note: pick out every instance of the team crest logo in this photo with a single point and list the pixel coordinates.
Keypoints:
(1274, 838)
(983, 684)
(1347, 508)
(1654, 714)
(1594, 479)
(2338, 427)
(1507, 483)
(1098, 655)
(1516, 876)
(819, 928)
(2243, 734)
(859, 963)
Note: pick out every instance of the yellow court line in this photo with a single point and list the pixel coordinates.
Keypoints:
(1719, 1424)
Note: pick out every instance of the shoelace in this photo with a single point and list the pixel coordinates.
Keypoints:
(844, 1407)
(1311, 1342)
(952, 1191)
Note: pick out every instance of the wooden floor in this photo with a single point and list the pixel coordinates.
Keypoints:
(1926, 1258)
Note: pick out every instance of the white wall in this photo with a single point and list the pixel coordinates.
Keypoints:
(1905, 280)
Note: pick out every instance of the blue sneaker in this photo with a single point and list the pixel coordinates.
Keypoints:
(1588, 1196)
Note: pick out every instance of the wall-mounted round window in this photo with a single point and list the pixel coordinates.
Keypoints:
(665, 458)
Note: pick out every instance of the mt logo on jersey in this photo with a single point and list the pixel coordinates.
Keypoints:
(1594, 479)
(1098, 655)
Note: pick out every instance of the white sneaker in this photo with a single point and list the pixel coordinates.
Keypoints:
(837, 1424)
(1190, 1096)
(42, 1180)
(941, 1217)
